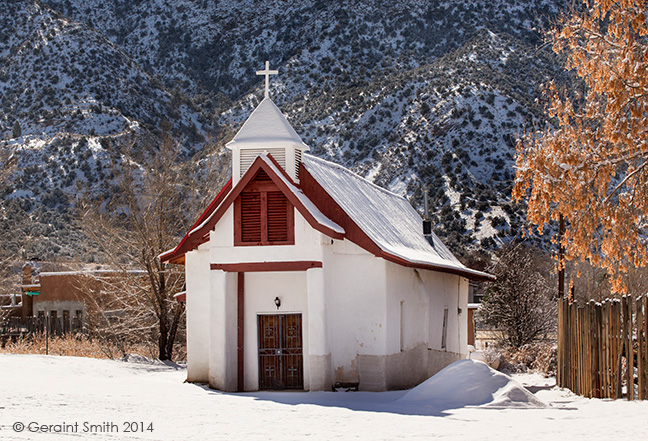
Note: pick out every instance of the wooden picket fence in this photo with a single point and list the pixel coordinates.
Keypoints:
(601, 344)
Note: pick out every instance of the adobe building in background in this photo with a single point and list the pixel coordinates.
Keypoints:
(58, 295)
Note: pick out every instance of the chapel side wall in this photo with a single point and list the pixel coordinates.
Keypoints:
(446, 291)
(406, 362)
(355, 312)
(197, 310)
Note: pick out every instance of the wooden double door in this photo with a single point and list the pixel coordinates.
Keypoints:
(281, 361)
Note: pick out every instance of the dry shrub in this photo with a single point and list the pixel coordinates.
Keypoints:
(71, 345)
(539, 357)
(77, 345)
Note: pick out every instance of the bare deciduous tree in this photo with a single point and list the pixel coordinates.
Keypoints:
(519, 302)
(154, 203)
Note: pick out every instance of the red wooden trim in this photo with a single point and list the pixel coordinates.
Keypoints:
(297, 265)
(294, 200)
(257, 186)
(240, 304)
(199, 236)
(281, 169)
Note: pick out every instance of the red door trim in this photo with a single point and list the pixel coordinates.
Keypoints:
(240, 304)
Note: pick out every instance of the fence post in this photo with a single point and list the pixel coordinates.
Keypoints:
(559, 364)
(644, 372)
(47, 326)
(619, 349)
(640, 359)
(627, 339)
(588, 350)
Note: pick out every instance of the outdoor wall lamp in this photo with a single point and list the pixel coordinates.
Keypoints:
(277, 302)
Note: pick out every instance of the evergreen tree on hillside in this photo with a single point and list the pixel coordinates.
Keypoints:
(17, 130)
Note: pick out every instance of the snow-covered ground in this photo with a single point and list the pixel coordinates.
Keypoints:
(467, 401)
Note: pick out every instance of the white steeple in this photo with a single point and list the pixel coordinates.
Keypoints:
(266, 131)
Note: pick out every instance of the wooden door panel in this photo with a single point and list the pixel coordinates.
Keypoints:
(281, 364)
(294, 371)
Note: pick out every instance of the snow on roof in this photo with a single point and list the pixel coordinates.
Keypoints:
(308, 204)
(387, 218)
(266, 126)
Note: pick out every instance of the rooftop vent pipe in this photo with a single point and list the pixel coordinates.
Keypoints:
(427, 224)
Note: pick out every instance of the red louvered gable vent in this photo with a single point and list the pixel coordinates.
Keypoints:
(277, 217)
(263, 215)
(250, 217)
(262, 176)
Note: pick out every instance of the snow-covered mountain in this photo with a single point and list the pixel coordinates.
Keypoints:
(409, 94)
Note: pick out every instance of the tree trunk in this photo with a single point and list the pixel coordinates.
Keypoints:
(162, 347)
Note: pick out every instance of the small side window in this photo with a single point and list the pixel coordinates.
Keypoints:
(444, 332)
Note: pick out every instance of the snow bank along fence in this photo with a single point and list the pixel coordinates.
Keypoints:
(604, 346)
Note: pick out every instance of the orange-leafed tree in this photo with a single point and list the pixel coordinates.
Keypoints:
(592, 166)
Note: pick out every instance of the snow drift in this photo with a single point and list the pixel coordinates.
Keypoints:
(469, 383)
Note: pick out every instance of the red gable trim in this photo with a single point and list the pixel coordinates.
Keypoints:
(249, 267)
(331, 209)
(177, 254)
(258, 164)
(225, 198)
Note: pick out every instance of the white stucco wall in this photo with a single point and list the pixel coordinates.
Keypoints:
(223, 331)
(197, 276)
(356, 307)
(407, 328)
(447, 291)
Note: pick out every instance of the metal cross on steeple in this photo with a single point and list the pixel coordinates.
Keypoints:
(267, 72)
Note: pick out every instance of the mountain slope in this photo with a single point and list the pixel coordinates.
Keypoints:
(409, 94)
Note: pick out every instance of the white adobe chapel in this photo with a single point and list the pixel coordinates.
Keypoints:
(301, 274)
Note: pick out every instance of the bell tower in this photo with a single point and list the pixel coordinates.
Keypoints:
(266, 131)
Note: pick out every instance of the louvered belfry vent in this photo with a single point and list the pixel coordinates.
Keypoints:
(263, 215)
